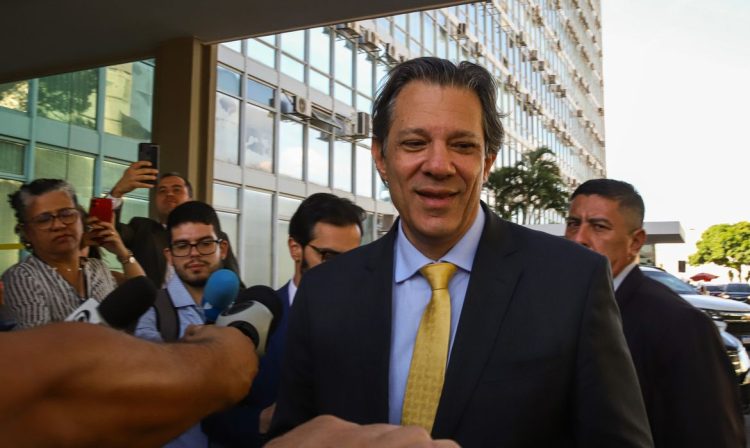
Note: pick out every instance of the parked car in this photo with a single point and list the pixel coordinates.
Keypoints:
(736, 291)
(713, 290)
(732, 319)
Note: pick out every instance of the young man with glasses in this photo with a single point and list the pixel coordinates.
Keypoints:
(195, 250)
(323, 227)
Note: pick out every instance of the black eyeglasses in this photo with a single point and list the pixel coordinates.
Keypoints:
(204, 247)
(325, 254)
(44, 221)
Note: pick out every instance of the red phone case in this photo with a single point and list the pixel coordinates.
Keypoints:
(101, 208)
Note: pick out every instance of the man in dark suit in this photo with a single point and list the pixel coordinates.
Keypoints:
(530, 351)
(145, 237)
(686, 379)
(323, 227)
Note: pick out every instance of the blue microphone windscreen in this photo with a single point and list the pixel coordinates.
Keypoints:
(220, 291)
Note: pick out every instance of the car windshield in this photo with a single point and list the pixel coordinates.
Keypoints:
(738, 287)
(712, 287)
(672, 282)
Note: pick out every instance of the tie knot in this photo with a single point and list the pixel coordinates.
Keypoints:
(438, 274)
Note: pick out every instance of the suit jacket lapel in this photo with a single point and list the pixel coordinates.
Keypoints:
(375, 310)
(493, 278)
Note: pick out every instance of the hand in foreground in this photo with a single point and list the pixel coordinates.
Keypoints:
(330, 431)
(104, 234)
(136, 176)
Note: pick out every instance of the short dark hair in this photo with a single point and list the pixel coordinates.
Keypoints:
(192, 211)
(327, 208)
(444, 73)
(21, 198)
(624, 193)
(188, 185)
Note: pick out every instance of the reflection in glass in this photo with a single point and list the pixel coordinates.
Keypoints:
(364, 73)
(414, 25)
(368, 228)
(317, 156)
(287, 207)
(320, 49)
(7, 233)
(320, 82)
(364, 171)
(15, 95)
(12, 157)
(293, 68)
(227, 81)
(261, 52)
(290, 149)
(256, 220)
(293, 43)
(342, 165)
(227, 132)
(128, 102)
(344, 52)
(258, 138)
(74, 168)
(226, 196)
(260, 93)
(69, 97)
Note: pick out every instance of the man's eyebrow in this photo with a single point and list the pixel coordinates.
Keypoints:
(597, 220)
(424, 132)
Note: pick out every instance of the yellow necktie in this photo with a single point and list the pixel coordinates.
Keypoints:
(427, 371)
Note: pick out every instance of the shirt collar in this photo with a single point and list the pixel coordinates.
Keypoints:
(409, 259)
(179, 293)
(292, 291)
(621, 276)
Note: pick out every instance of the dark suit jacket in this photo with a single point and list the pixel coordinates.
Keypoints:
(538, 360)
(147, 239)
(687, 381)
(238, 425)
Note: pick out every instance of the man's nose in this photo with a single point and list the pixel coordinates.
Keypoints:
(439, 162)
(581, 236)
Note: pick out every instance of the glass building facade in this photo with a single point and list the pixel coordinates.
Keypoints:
(292, 114)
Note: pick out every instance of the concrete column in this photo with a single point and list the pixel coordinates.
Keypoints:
(184, 103)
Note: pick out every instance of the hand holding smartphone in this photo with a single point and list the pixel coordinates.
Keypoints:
(102, 209)
(149, 152)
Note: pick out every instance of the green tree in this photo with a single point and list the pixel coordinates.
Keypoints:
(726, 245)
(530, 187)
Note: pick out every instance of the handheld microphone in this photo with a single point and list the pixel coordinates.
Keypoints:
(256, 313)
(123, 306)
(220, 290)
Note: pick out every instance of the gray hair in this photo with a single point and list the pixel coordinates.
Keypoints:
(21, 199)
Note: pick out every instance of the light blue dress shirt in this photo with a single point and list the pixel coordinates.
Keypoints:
(188, 313)
(412, 293)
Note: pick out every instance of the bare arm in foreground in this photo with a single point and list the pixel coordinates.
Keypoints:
(76, 384)
(328, 431)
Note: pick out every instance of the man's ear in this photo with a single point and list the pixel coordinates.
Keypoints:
(379, 159)
(224, 249)
(295, 249)
(168, 255)
(637, 241)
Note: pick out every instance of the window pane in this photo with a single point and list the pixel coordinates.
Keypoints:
(69, 97)
(290, 149)
(227, 133)
(293, 68)
(344, 61)
(77, 169)
(317, 156)
(128, 104)
(258, 138)
(260, 93)
(15, 95)
(256, 220)
(284, 262)
(364, 172)
(112, 172)
(226, 196)
(320, 49)
(364, 74)
(343, 94)
(12, 157)
(261, 52)
(229, 224)
(368, 228)
(287, 207)
(235, 45)
(293, 43)
(320, 82)
(342, 165)
(364, 104)
(227, 81)
(7, 224)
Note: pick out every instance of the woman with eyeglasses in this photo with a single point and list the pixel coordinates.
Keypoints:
(55, 279)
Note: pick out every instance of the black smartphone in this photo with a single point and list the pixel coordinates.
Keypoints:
(150, 152)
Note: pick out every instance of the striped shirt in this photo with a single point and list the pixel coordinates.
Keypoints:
(37, 294)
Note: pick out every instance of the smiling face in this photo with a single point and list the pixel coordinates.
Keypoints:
(600, 224)
(60, 238)
(435, 163)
